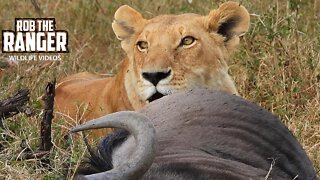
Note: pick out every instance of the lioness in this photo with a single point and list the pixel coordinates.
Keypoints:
(165, 55)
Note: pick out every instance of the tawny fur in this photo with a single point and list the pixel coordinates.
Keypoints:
(200, 64)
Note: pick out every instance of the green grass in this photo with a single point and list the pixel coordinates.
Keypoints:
(277, 66)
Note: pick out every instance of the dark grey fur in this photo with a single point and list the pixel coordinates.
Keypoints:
(213, 135)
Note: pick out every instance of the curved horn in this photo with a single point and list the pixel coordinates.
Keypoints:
(142, 130)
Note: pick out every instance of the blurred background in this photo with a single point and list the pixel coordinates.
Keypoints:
(277, 66)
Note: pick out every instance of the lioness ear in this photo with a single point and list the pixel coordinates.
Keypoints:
(126, 22)
(229, 20)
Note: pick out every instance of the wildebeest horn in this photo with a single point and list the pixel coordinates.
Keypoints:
(141, 129)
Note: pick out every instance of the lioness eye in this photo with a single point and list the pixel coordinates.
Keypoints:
(142, 45)
(188, 40)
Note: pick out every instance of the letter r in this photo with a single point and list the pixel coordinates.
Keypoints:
(8, 41)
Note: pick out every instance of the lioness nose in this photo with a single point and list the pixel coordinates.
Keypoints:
(155, 77)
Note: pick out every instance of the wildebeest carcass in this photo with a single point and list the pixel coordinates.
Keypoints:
(197, 135)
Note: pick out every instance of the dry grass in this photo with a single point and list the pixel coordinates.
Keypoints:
(278, 66)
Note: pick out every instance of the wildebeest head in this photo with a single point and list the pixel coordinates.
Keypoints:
(199, 135)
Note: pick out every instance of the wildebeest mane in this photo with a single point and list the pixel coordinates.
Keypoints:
(100, 159)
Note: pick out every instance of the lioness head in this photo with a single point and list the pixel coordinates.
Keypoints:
(173, 53)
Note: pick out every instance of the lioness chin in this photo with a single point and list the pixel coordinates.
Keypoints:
(164, 55)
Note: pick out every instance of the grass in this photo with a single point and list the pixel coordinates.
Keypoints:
(277, 66)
